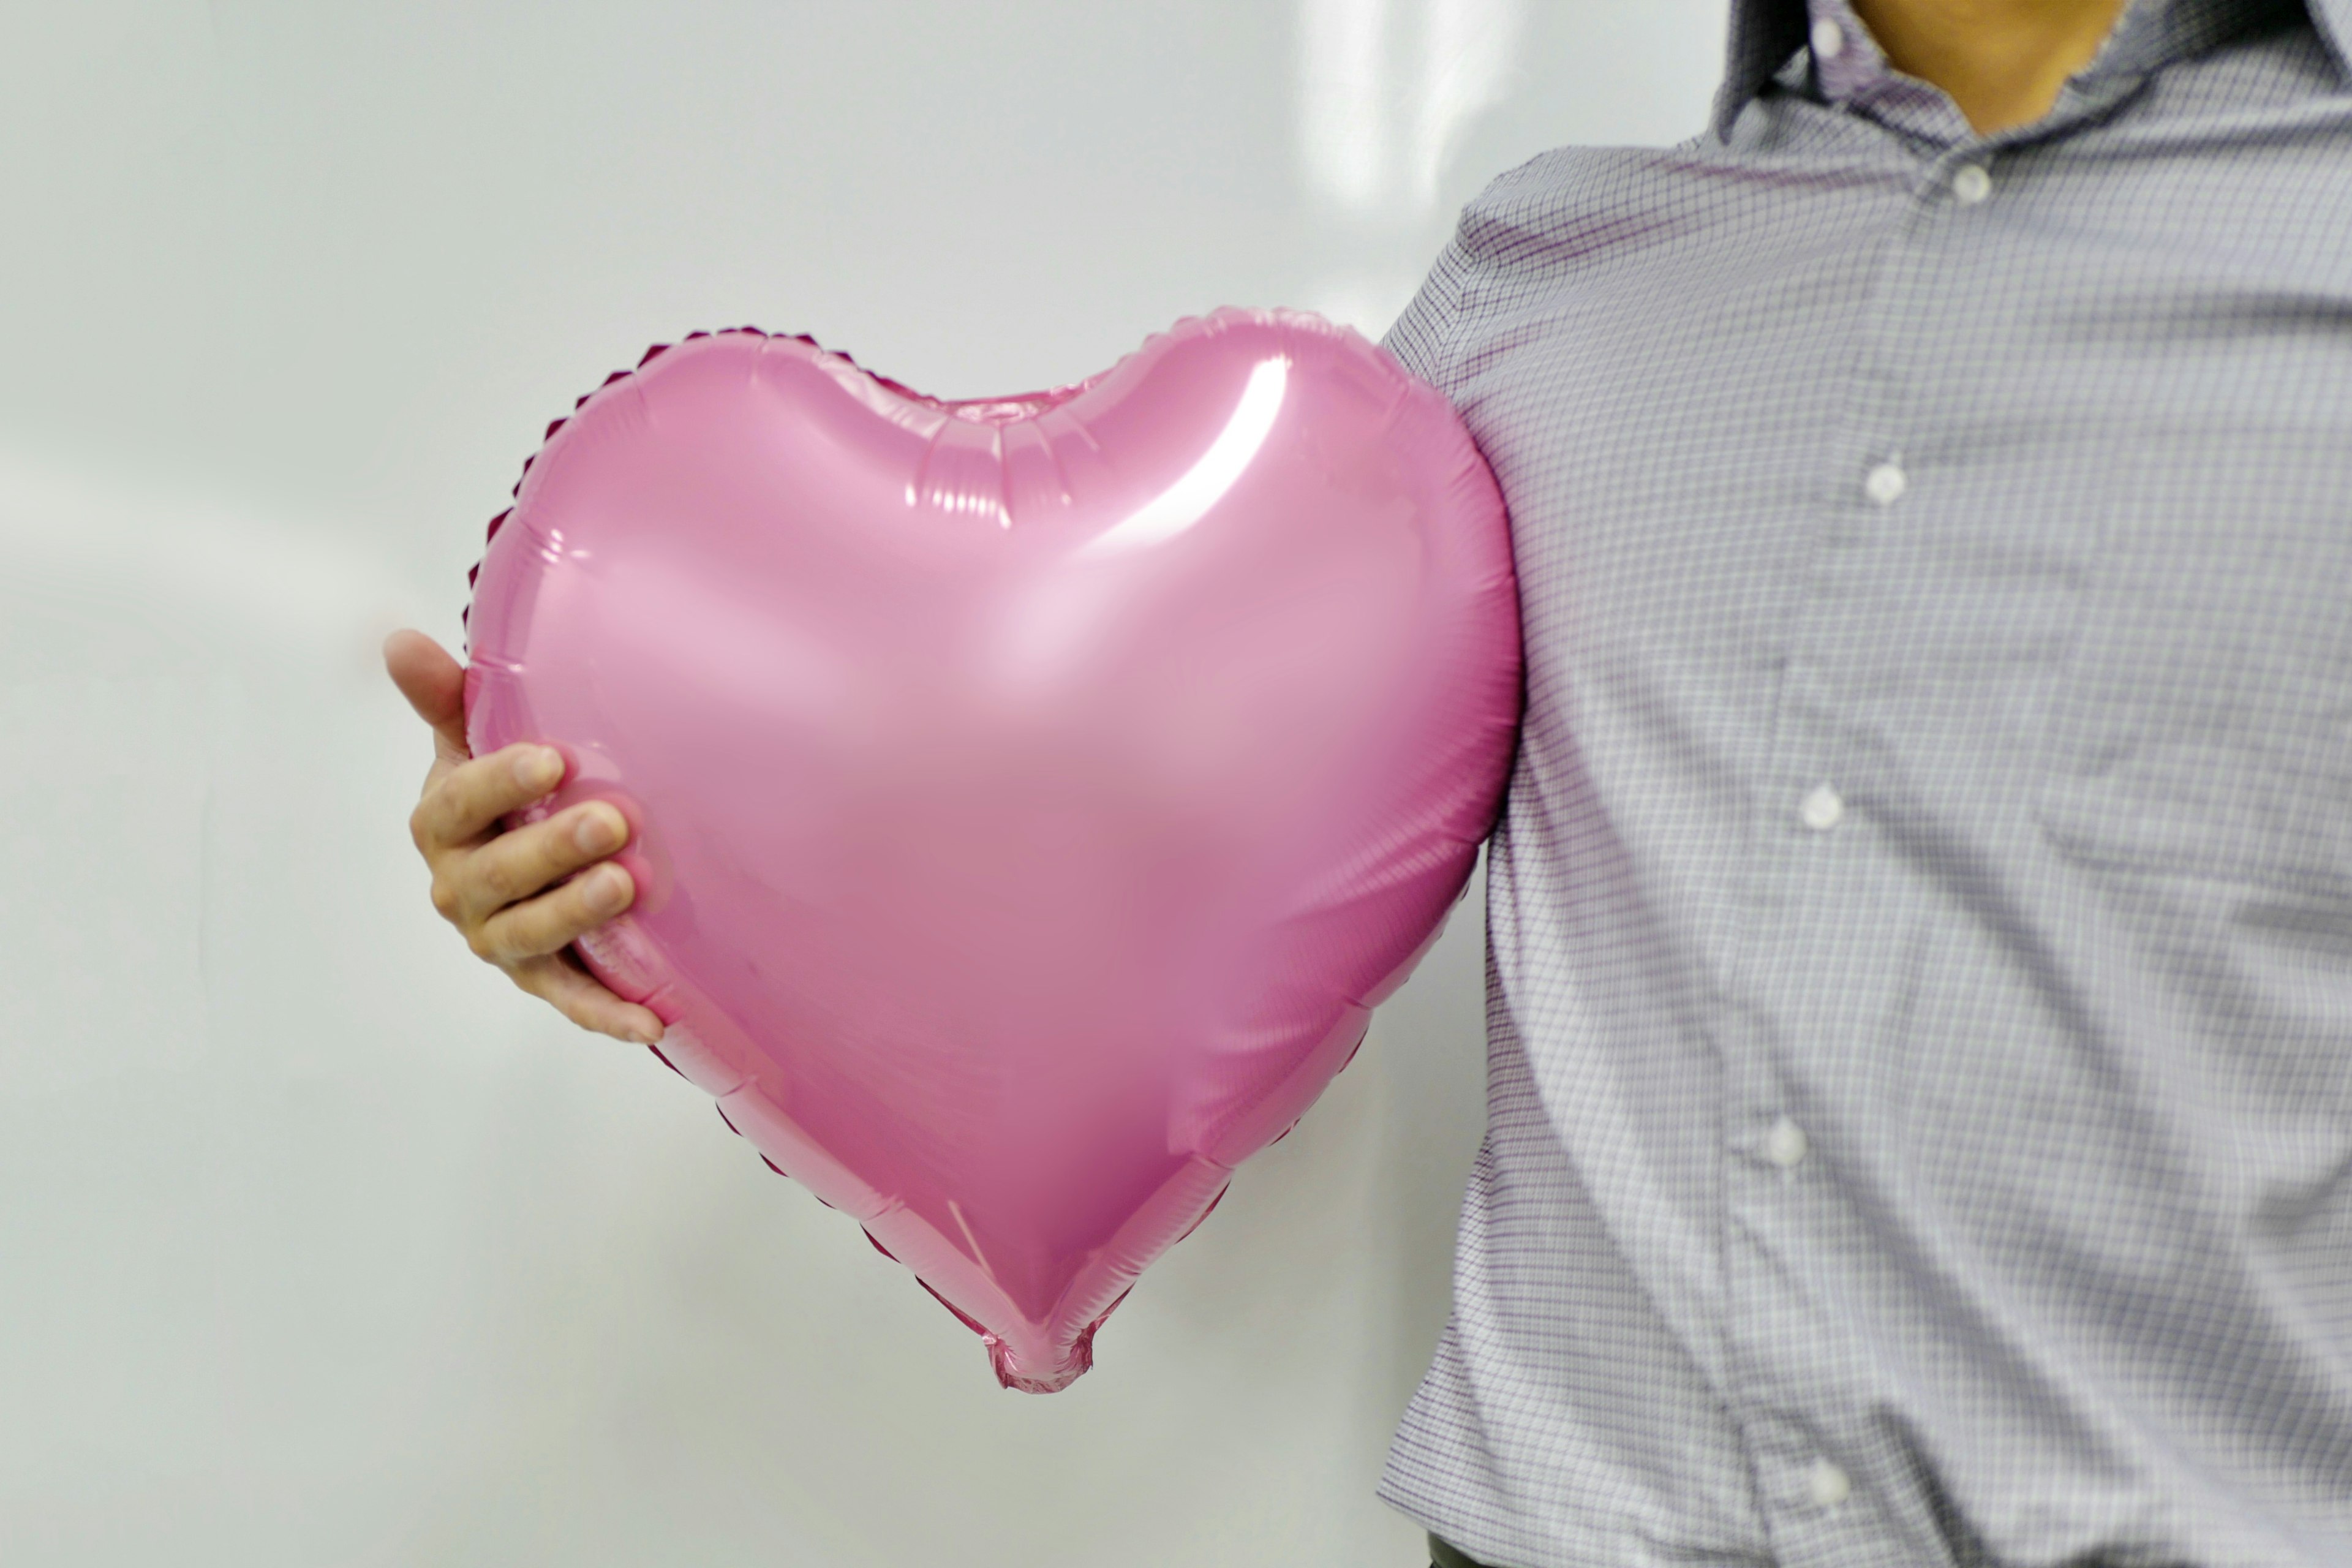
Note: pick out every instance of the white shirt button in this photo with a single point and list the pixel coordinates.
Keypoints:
(1971, 185)
(1827, 1485)
(1821, 808)
(1786, 1144)
(1886, 484)
(1829, 38)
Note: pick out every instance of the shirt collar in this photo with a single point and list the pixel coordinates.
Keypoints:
(2150, 34)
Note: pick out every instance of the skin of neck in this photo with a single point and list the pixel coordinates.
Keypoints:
(2002, 61)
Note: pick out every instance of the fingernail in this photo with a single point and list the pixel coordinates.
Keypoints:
(639, 1035)
(608, 888)
(596, 832)
(538, 768)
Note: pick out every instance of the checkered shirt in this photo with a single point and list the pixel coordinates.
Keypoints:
(1920, 990)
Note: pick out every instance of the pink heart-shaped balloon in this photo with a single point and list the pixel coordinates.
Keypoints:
(1031, 796)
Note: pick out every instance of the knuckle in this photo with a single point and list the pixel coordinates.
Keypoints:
(532, 931)
(445, 901)
(541, 859)
(498, 881)
(487, 948)
(566, 919)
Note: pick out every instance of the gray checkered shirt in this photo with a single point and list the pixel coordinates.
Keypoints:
(1920, 998)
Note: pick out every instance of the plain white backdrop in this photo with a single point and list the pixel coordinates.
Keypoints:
(318, 1243)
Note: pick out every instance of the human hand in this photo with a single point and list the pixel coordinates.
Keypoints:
(506, 891)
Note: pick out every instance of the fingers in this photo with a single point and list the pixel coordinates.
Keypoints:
(465, 802)
(494, 888)
(517, 864)
(576, 993)
(550, 922)
(435, 685)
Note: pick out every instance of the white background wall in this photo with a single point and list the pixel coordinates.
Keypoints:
(318, 1245)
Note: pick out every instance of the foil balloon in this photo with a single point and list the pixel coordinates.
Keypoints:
(1031, 796)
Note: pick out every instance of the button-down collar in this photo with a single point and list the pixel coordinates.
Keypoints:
(1768, 38)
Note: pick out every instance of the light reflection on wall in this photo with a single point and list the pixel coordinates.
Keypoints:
(1386, 89)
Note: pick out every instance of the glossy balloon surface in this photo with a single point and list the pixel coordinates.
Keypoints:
(1031, 796)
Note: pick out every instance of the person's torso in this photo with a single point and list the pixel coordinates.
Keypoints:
(1922, 921)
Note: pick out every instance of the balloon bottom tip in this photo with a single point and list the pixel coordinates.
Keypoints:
(1013, 1373)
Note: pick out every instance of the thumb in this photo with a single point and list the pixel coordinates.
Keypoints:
(435, 685)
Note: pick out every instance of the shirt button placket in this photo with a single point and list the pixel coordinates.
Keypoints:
(1799, 1384)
